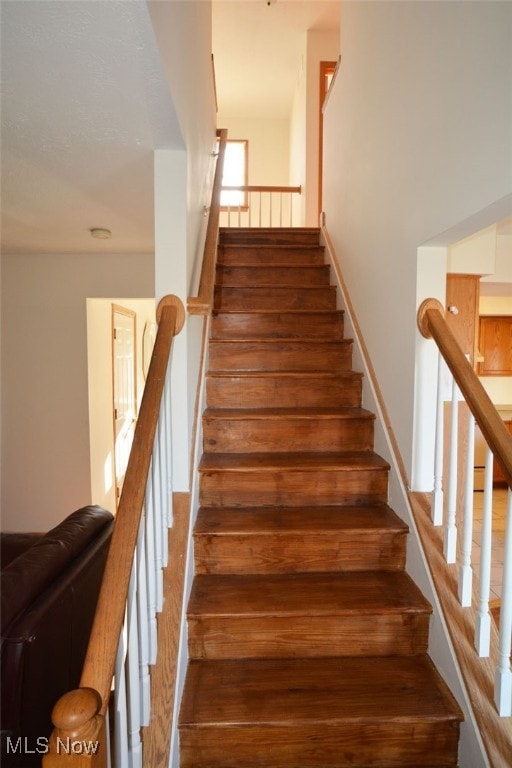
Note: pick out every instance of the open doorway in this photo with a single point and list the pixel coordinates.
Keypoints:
(100, 367)
(327, 70)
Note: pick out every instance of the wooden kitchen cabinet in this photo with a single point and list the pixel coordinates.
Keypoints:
(498, 477)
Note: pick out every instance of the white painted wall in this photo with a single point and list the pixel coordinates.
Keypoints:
(321, 46)
(411, 152)
(183, 182)
(45, 416)
(99, 364)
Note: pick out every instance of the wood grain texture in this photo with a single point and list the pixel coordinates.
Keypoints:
(287, 429)
(329, 712)
(257, 275)
(280, 355)
(263, 389)
(321, 325)
(298, 539)
(307, 638)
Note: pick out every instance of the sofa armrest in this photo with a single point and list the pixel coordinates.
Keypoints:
(12, 545)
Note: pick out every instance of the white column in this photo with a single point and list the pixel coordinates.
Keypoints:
(171, 277)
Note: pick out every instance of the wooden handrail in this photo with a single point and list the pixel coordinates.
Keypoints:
(80, 714)
(432, 324)
(256, 188)
(202, 303)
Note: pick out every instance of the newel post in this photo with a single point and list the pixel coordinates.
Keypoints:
(79, 738)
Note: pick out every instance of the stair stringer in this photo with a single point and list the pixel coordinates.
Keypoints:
(472, 751)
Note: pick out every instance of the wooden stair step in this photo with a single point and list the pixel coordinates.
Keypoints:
(270, 235)
(321, 325)
(296, 255)
(307, 615)
(280, 355)
(271, 479)
(262, 430)
(261, 389)
(378, 712)
(298, 539)
(274, 297)
(275, 275)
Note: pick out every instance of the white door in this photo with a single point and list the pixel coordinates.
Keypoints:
(124, 389)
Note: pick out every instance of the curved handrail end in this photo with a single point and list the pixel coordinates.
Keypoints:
(172, 301)
(422, 317)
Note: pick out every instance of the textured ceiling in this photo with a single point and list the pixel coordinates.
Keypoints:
(84, 104)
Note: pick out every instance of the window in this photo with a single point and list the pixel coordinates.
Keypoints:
(235, 173)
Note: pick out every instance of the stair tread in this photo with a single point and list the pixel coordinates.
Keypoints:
(244, 462)
(348, 412)
(270, 340)
(323, 690)
(284, 311)
(279, 521)
(287, 374)
(306, 594)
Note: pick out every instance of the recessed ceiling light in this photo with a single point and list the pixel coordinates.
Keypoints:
(101, 234)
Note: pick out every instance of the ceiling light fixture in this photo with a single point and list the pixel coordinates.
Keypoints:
(101, 234)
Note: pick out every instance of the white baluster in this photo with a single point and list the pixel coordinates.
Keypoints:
(132, 673)
(450, 536)
(270, 207)
(121, 755)
(438, 495)
(280, 209)
(149, 542)
(483, 617)
(466, 571)
(503, 685)
(249, 202)
(143, 626)
(157, 518)
(163, 495)
(260, 211)
(168, 443)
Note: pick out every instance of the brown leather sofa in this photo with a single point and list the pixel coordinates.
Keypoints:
(49, 589)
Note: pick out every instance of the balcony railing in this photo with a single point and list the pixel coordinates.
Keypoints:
(261, 206)
(456, 519)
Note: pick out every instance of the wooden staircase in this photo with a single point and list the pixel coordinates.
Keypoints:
(307, 639)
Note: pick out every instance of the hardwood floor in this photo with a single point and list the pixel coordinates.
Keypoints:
(307, 639)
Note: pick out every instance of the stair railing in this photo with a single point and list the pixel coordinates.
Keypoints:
(481, 411)
(100, 723)
(202, 303)
(260, 206)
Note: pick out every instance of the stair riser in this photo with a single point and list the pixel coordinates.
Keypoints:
(252, 276)
(276, 637)
(275, 299)
(298, 553)
(239, 255)
(275, 325)
(279, 356)
(293, 488)
(411, 744)
(268, 392)
(287, 434)
(269, 236)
